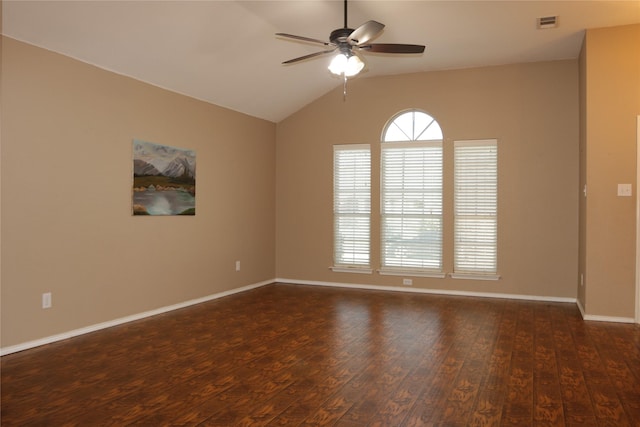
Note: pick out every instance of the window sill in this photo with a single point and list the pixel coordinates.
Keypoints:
(413, 273)
(357, 270)
(474, 276)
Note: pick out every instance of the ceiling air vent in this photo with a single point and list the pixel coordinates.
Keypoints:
(547, 22)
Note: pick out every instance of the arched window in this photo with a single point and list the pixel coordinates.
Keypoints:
(411, 202)
(413, 125)
(411, 195)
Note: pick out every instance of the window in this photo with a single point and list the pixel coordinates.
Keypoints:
(475, 208)
(352, 207)
(411, 195)
(412, 208)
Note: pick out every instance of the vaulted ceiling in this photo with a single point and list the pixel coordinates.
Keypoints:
(226, 52)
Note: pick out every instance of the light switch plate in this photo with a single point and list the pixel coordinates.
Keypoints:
(624, 190)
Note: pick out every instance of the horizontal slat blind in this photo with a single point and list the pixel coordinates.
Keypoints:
(476, 206)
(412, 205)
(352, 204)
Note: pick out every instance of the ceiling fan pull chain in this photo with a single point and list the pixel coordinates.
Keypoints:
(344, 89)
(348, 42)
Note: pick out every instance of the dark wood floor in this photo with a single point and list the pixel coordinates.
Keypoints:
(285, 355)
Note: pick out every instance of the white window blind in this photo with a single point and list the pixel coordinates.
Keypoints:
(411, 206)
(352, 205)
(476, 206)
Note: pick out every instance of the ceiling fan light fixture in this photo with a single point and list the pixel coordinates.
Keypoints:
(346, 41)
(345, 64)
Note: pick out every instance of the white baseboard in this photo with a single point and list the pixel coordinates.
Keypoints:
(581, 308)
(428, 291)
(596, 318)
(614, 319)
(93, 328)
(115, 322)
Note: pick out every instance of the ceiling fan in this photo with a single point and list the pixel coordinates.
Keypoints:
(348, 42)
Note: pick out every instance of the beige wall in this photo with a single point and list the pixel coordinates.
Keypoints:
(610, 72)
(532, 109)
(66, 177)
(67, 226)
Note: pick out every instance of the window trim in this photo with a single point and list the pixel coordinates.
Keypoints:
(474, 274)
(391, 144)
(396, 271)
(347, 267)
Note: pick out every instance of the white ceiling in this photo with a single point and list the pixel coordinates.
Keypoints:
(226, 53)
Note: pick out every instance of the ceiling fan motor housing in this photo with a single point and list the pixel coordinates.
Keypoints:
(340, 36)
(348, 41)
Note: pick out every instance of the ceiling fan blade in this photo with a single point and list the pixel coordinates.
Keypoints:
(365, 32)
(393, 48)
(311, 55)
(305, 39)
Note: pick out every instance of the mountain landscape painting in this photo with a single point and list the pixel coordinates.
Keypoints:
(164, 180)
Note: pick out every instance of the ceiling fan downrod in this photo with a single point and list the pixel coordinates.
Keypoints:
(345, 14)
(348, 42)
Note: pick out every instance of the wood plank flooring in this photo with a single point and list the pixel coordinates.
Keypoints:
(287, 355)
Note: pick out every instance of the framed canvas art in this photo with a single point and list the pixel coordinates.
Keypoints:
(164, 180)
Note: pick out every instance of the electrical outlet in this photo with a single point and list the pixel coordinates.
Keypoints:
(237, 265)
(407, 282)
(46, 300)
